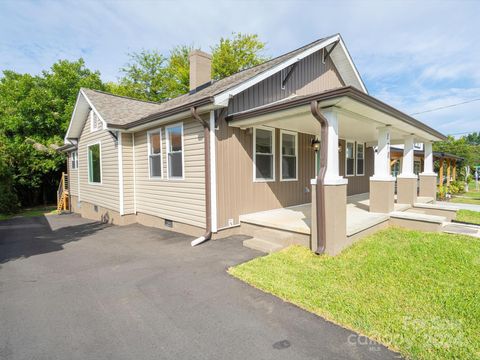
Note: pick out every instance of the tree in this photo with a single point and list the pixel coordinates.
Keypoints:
(34, 115)
(235, 54)
(151, 76)
(473, 138)
(461, 147)
(144, 76)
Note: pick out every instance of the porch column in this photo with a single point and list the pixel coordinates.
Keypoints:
(428, 179)
(454, 170)
(382, 183)
(407, 180)
(334, 190)
(449, 162)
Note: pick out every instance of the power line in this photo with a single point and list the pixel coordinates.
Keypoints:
(446, 107)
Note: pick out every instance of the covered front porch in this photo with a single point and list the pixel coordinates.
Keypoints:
(351, 192)
(298, 218)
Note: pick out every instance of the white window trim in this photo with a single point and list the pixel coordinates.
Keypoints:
(281, 154)
(167, 140)
(356, 159)
(92, 127)
(75, 162)
(272, 131)
(101, 164)
(159, 131)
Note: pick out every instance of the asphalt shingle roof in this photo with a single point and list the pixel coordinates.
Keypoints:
(123, 111)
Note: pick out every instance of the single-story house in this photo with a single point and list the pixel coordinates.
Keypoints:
(247, 143)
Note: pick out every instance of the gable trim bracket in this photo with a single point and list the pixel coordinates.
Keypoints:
(284, 81)
(326, 54)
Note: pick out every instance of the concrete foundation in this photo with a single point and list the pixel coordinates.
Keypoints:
(406, 190)
(428, 185)
(382, 195)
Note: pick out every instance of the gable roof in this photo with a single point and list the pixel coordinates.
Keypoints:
(123, 113)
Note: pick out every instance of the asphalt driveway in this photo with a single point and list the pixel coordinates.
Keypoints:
(75, 289)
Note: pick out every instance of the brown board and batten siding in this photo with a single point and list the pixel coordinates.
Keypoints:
(177, 200)
(128, 183)
(238, 194)
(310, 75)
(357, 184)
(105, 194)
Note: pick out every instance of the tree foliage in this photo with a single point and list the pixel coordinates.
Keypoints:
(152, 76)
(466, 147)
(35, 111)
(235, 54)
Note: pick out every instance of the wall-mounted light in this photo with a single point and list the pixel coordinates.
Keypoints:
(340, 148)
(315, 144)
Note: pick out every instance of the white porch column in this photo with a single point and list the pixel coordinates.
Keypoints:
(428, 159)
(382, 156)
(408, 157)
(332, 175)
(428, 178)
(407, 180)
(382, 183)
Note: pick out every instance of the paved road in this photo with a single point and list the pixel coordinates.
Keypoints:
(75, 289)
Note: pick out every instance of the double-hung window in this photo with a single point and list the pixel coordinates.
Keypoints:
(360, 159)
(74, 160)
(289, 162)
(94, 163)
(174, 134)
(350, 158)
(155, 153)
(264, 158)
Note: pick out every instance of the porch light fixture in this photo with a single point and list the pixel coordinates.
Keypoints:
(315, 144)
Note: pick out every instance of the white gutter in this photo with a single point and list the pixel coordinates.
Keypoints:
(213, 172)
(120, 172)
(134, 176)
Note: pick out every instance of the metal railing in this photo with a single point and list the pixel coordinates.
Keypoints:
(62, 187)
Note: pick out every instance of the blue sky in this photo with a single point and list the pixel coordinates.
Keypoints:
(415, 55)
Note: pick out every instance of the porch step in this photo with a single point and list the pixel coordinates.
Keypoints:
(461, 229)
(418, 217)
(417, 221)
(262, 245)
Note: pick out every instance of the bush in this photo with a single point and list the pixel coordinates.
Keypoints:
(442, 192)
(8, 198)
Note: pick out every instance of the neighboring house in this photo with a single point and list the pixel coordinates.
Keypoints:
(243, 144)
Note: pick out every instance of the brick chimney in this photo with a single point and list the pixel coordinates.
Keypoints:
(200, 68)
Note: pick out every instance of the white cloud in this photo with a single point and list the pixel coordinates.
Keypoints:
(414, 55)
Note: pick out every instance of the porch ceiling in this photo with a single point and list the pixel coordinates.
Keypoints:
(357, 120)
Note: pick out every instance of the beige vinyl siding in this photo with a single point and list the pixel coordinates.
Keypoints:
(177, 200)
(105, 194)
(238, 194)
(309, 76)
(72, 177)
(128, 183)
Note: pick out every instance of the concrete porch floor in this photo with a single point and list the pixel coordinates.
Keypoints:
(298, 218)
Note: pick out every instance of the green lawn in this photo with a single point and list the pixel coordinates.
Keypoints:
(30, 212)
(471, 197)
(416, 292)
(468, 216)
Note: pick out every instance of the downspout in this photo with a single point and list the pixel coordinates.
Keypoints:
(320, 199)
(208, 210)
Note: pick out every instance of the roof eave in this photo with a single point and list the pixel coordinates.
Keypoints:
(347, 91)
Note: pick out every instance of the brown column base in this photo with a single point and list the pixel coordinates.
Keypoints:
(428, 185)
(382, 195)
(335, 218)
(406, 190)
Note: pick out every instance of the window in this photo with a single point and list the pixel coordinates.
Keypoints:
(350, 159)
(74, 160)
(264, 158)
(288, 166)
(95, 122)
(94, 164)
(360, 159)
(155, 153)
(175, 151)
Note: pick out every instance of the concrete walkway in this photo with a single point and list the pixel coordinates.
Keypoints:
(471, 207)
(75, 289)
